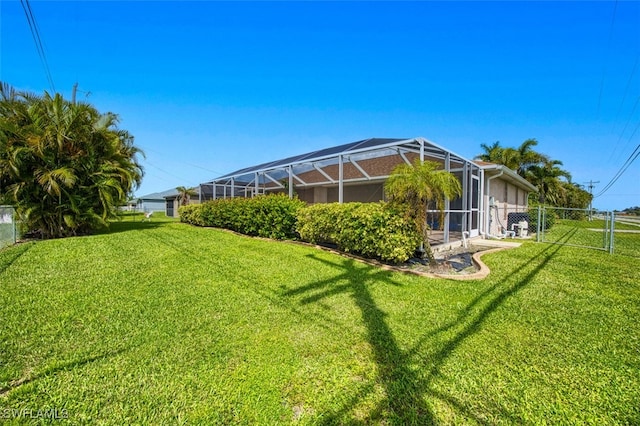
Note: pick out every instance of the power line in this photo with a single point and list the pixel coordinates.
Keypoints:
(35, 33)
(627, 125)
(634, 155)
(164, 171)
(624, 98)
(155, 176)
(604, 67)
(184, 162)
(626, 90)
(623, 169)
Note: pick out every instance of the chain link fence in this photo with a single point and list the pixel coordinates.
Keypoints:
(593, 229)
(574, 227)
(9, 229)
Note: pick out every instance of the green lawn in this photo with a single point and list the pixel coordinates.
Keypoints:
(163, 323)
(596, 234)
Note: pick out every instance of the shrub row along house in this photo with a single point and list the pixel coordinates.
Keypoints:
(357, 171)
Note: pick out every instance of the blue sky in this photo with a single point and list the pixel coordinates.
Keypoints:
(208, 87)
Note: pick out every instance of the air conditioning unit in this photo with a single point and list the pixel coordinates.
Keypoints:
(523, 229)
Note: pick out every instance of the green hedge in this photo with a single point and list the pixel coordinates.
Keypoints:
(370, 229)
(270, 216)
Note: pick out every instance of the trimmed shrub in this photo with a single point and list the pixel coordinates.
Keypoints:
(190, 213)
(270, 216)
(372, 230)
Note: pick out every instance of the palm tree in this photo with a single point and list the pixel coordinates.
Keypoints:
(185, 194)
(415, 187)
(492, 153)
(537, 168)
(518, 159)
(64, 166)
(546, 177)
(527, 157)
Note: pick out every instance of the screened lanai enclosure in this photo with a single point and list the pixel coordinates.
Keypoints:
(356, 172)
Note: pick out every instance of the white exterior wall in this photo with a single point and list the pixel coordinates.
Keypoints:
(150, 206)
(508, 198)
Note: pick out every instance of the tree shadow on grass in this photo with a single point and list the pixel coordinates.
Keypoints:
(127, 226)
(10, 256)
(67, 366)
(407, 388)
(404, 399)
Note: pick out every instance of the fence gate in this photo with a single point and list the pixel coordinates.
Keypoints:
(8, 226)
(574, 227)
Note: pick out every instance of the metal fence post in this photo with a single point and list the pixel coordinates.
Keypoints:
(538, 227)
(15, 225)
(605, 231)
(585, 236)
(613, 228)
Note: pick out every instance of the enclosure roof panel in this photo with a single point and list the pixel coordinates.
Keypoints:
(316, 155)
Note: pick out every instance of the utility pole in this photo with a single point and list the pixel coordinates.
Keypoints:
(73, 93)
(591, 186)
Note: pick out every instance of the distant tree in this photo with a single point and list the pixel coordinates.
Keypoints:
(414, 187)
(575, 197)
(185, 194)
(65, 167)
(632, 210)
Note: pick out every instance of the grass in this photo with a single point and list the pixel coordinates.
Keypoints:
(163, 323)
(595, 234)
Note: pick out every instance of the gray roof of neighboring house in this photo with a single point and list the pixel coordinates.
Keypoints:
(174, 194)
(161, 196)
(158, 196)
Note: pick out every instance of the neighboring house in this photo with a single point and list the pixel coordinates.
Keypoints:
(171, 202)
(153, 202)
(357, 172)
